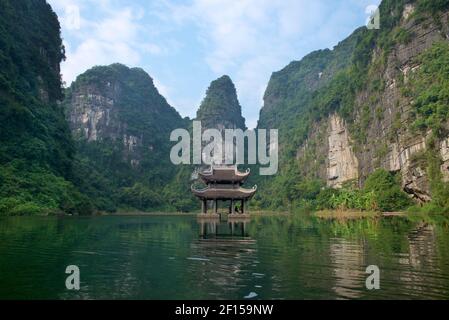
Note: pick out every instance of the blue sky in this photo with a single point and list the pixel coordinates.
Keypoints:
(184, 45)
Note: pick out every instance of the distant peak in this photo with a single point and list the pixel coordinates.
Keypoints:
(220, 107)
(224, 78)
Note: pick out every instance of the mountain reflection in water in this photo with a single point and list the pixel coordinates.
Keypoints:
(181, 257)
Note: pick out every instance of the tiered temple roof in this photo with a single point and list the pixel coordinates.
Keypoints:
(224, 174)
(213, 193)
(224, 183)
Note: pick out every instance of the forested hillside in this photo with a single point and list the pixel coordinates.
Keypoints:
(366, 125)
(122, 125)
(220, 108)
(117, 155)
(36, 149)
(363, 126)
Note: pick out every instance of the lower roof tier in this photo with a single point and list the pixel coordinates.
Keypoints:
(211, 193)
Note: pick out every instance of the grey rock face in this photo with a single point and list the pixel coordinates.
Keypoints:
(119, 105)
(342, 162)
(329, 151)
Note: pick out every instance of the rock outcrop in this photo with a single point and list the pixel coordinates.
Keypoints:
(342, 162)
(300, 102)
(444, 151)
(220, 108)
(122, 125)
(391, 143)
(116, 104)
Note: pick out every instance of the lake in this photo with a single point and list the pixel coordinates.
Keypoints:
(179, 257)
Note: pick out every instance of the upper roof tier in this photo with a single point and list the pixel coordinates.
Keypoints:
(224, 174)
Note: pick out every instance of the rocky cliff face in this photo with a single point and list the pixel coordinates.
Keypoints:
(220, 108)
(119, 105)
(90, 116)
(391, 142)
(290, 89)
(329, 154)
(122, 125)
(340, 140)
(342, 164)
(444, 151)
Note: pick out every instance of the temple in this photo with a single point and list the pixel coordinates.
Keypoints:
(224, 183)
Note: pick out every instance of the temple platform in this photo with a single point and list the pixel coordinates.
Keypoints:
(208, 216)
(239, 216)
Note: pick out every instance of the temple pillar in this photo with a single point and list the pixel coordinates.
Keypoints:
(216, 206)
(232, 207)
(202, 227)
(243, 206)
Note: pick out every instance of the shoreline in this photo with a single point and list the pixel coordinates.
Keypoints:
(322, 214)
(175, 214)
(355, 214)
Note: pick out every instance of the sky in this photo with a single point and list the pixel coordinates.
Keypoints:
(186, 44)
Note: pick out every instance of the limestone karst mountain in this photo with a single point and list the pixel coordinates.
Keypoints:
(375, 106)
(119, 105)
(122, 127)
(36, 149)
(376, 101)
(220, 108)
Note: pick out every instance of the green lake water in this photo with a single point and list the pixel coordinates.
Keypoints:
(177, 257)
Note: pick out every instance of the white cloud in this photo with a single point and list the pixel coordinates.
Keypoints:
(92, 52)
(249, 39)
(152, 48)
(112, 34)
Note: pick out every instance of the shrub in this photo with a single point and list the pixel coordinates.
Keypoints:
(29, 209)
(140, 197)
(387, 191)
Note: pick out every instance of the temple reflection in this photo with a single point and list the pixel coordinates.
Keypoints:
(232, 228)
(223, 255)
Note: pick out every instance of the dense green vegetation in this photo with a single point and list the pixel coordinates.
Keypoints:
(428, 88)
(44, 170)
(105, 165)
(27, 189)
(325, 82)
(36, 149)
(381, 192)
(221, 106)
